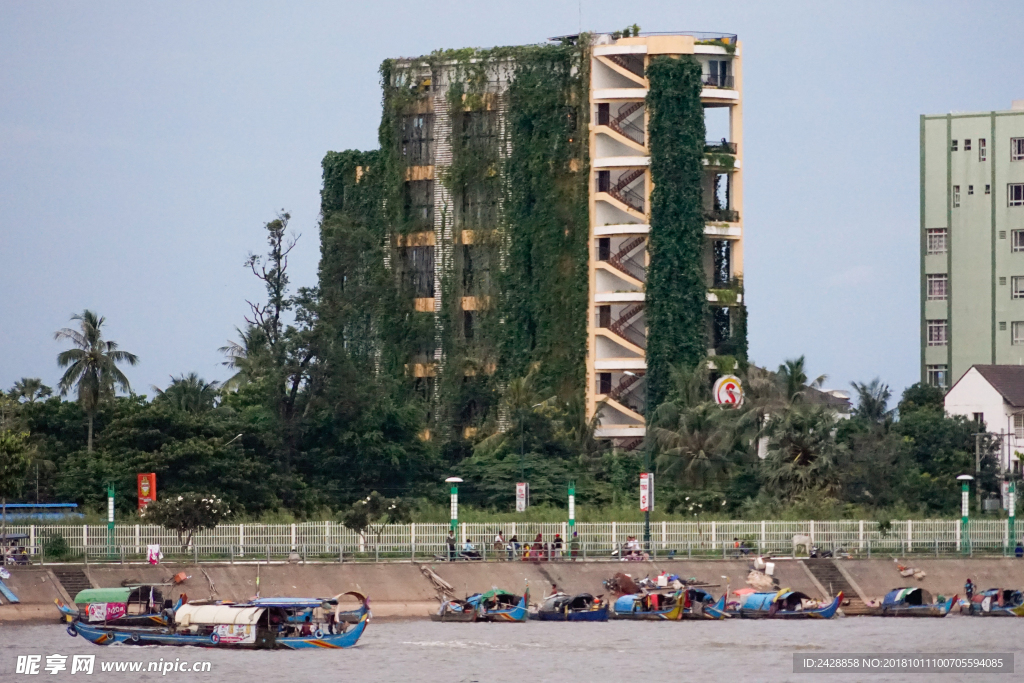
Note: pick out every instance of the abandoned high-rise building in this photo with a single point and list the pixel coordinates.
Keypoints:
(972, 242)
(568, 213)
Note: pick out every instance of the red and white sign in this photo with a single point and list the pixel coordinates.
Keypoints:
(522, 496)
(107, 611)
(147, 489)
(229, 634)
(728, 391)
(647, 492)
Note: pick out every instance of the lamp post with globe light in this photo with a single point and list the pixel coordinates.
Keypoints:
(965, 494)
(454, 481)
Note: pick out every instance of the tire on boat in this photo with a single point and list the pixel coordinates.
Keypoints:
(318, 633)
(72, 631)
(215, 639)
(134, 637)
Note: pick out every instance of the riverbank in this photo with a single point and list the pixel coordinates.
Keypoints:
(402, 590)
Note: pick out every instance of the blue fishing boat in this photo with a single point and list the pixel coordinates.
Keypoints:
(997, 602)
(454, 610)
(563, 607)
(785, 604)
(275, 623)
(649, 606)
(499, 605)
(913, 602)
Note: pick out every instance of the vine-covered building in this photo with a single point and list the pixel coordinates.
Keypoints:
(550, 211)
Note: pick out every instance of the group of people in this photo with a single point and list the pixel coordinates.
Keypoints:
(540, 550)
(631, 550)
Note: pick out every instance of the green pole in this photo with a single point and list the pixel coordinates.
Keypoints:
(965, 497)
(110, 519)
(455, 506)
(572, 507)
(1011, 504)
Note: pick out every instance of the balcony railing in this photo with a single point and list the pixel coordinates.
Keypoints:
(630, 198)
(717, 81)
(719, 147)
(721, 216)
(629, 130)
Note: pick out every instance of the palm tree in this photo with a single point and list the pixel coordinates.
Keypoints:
(190, 393)
(873, 401)
(248, 358)
(802, 452)
(29, 388)
(793, 380)
(697, 444)
(92, 365)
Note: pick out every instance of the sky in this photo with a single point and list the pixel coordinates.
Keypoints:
(143, 145)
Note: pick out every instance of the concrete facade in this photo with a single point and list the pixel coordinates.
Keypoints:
(972, 242)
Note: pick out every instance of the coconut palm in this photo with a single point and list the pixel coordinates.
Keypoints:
(92, 365)
(873, 401)
(190, 393)
(793, 380)
(249, 358)
(802, 452)
(29, 388)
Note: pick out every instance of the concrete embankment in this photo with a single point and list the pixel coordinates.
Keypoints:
(402, 590)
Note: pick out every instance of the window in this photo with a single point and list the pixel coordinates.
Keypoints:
(1017, 287)
(937, 241)
(476, 269)
(988, 189)
(480, 130)
(1015, 194)
(479, 204)
(467, 324)
(604, 316)
(1002, 327)
(953, 147)
(1002, 280)
(604, 248)
(603, 116)
(982, 150)
(1016, 149)
(938, 286)
(419, 203)
(1018, 240)
(970, 189)
(967, 145)
(604, 382)
(937, 375)
(980, 419)
(1018, 426)
(956, 196)
(1017, 333)
(604, 181)
(419, 270)
(937, 330)
(1002, 234)
(418, 139)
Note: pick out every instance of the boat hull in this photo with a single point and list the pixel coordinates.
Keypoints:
(937, 610)
(113, 635)
(454, 617)
(826, 612)
(976, 611)
(70, 616)
(582, 615)
(518, 613)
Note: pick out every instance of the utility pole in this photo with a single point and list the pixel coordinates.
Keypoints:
(977, 470)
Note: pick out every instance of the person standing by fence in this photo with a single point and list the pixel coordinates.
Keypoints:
(451, 545)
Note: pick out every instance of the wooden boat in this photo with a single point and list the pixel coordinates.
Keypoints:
(128, 606)
(785, 604)
(499, 605)
(454, 610)
(562, 607)
(996, 602)
(276, 623)
(913, 602)
(649, 607)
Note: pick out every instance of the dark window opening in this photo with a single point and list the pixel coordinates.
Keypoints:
(479, 128)
(604, 316)
(721, 327)
(418, 263)
(604, 181)
(419, 203)
(476, 269)
(467, 324)
(604, 248)
(479, 205)
(418, 139)
(603, 114)
(723, 262)
(604, 383)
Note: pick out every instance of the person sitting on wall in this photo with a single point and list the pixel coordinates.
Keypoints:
(469, 550)
(1018, 552)
(513, 546)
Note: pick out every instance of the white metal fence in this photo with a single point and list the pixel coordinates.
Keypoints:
(330, 539)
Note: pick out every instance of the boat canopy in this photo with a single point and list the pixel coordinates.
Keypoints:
(300, 603)
(625, 603)
(491, 594)
(90, 595)
(217, 614)
(907, 596)
(763, 601)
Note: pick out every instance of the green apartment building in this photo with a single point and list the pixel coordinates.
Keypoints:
(972, 242)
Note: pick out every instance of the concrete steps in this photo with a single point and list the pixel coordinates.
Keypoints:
(832, 580)
(74, 580)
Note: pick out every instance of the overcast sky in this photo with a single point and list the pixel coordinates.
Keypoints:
(143, 145)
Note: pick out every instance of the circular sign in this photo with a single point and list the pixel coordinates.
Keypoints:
(728, 391)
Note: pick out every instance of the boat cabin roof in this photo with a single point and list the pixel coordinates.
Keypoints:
(90, 595)
(909, 595)
(301, 603)
(217, 614)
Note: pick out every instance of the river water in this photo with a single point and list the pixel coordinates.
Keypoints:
(412, 651)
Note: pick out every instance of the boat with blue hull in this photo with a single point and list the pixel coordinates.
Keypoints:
(913, 602)
(274, 623)
(784, 604)
(562, 607)
(996, 602)
(125, 606)
(499, 605)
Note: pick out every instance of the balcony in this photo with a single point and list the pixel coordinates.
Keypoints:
(721, 216)
(719, 147)
(718, 80)
(627, 326)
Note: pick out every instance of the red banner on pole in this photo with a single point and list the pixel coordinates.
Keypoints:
(147, 489)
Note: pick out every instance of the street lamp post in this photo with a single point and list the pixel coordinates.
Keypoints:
(572, 508)
(1011, 505)
(454, 481)
(110, 519)
(965, 497)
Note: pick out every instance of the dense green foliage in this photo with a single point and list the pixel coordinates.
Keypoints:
(676, 309)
